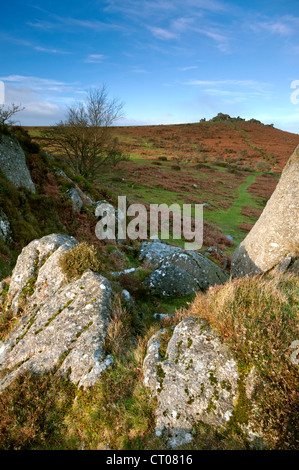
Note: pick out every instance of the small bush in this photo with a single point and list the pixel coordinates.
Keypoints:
(262, 166)
(175, 167)
(79, 259)
(25, 140)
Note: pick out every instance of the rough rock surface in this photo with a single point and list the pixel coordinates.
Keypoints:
(275, 236)
(194, 379)
(76, 195)
(75, 199)
(178, 272)
(64, 324)
(13, 163)
(66, 332)
(37, 271)
(5, 230)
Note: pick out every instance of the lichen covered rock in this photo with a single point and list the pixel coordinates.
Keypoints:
(178, 272)
(5, 229)
(195, 378)
(66, 333)
(13, 163)
(275, 236)
(37, 274)
(63, 325)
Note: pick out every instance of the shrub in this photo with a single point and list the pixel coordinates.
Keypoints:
(32, 411)
(262, 166)
(79, 259)
(25, 140)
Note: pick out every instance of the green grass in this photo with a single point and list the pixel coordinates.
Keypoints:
(230, 220)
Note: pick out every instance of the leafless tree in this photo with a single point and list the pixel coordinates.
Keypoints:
(84, 138)
(6, 113)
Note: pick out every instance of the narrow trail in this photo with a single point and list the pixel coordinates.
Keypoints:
(230, 219)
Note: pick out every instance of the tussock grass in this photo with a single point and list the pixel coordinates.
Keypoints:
(79, 259)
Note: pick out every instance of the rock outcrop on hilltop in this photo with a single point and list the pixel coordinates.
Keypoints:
(13, 163)
(64, 324)
(274, 239)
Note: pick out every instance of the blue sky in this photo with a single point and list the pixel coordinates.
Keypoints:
(169, 61)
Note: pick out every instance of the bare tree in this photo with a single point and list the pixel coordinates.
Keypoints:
(84, 137)
(6, 113)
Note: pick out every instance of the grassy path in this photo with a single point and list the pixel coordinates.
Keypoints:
(230, 219)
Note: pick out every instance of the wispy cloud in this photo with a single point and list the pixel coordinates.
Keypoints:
(182, 25)
(32, 45)
(141, 8)
(49, 50)
(137, 69)
(95, 58)
(233, 89)
(190, 67)
(277, 27)
(245, 83)
(162, 33)
(56, 22)
(31, 80)
(43, 86)
(220, 39)
(283, 26)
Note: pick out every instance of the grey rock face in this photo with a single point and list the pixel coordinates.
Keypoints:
(76, 195)
(197, 380)
(275, 235)
(13, 163)
(38, 270)
(76, 200)
(66, 332)
(5, 230)
(178, 272)
(64, 324)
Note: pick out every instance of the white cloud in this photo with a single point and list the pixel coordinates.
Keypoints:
(54, 21)
(95, 58)
(44, 99)
(33, 81)
(284, 26)
(245, 83)
(50, 51)
(276, 28)
(159, 7)
(190, 67)
(162, 33)
(183, 25)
